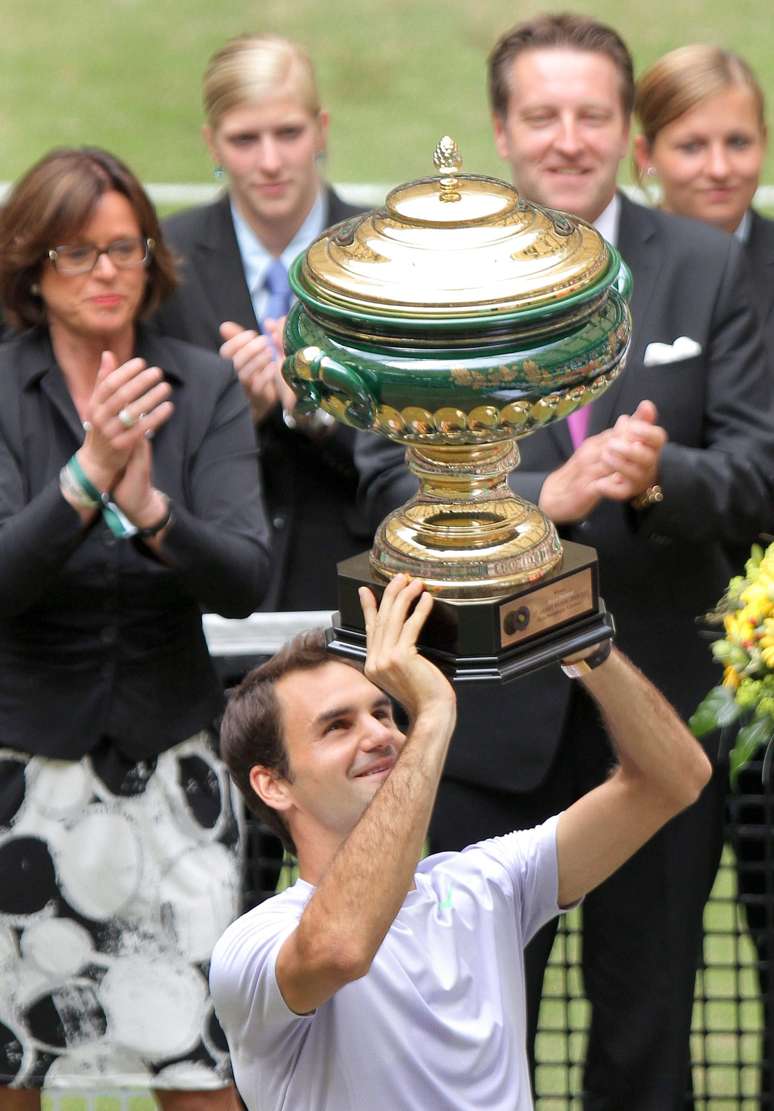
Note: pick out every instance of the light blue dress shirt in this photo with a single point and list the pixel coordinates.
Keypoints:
(256, 259)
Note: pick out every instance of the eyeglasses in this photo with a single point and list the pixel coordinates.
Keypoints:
(123, 253)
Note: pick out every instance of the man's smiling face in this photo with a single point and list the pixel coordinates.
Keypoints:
(342, 743)
(565, 130)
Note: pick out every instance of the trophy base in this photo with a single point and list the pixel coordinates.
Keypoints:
(490, 639)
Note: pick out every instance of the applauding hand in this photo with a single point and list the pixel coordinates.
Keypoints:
(632, 454)
(128, 403)
(618, 463)
(257, 361)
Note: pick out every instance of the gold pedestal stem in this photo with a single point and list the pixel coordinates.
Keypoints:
(466, 534)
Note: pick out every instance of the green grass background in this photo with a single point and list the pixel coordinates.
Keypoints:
(125, 74)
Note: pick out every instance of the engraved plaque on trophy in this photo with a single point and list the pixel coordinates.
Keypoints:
(456, 320)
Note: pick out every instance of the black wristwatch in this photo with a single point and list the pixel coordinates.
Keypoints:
(582, 667)
(153, 530)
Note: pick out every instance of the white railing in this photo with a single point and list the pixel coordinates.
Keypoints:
(184, 194)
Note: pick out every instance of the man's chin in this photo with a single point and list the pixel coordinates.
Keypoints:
(574, 194)
(278, 207)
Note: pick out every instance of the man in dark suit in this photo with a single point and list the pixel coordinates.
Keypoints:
(676, 460)
(266, 132)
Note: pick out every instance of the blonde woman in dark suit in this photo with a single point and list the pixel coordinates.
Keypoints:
(701, 115)
(266, 132)
(702, 137)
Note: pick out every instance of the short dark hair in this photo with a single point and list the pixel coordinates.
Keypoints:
(53, 201)
(557, 29)
(251, 731)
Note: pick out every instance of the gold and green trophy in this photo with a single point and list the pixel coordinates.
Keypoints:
(455, 320)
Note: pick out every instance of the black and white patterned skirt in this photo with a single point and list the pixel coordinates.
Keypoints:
(116, 879)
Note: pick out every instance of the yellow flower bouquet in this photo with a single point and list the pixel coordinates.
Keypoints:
(745, 696)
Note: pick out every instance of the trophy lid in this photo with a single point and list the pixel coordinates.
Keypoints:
(454, 246)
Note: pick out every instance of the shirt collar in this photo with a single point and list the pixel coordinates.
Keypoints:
(607, 221)
(256, 259)
(742, 232)
(37, 353)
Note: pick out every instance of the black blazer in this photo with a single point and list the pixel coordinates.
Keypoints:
(310, 487)
(659, 570)
(760, 255)
(98, 637)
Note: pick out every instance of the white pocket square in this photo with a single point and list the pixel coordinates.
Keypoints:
(656, 354)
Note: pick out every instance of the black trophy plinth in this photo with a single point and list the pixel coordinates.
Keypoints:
(491, 639)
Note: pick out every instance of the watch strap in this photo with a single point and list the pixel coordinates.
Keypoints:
(582, 667)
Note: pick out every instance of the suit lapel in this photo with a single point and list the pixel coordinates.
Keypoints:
(337, 209)
(217, 261)
(38, 360)
(761, 243)
(559, 431)
(638, 245)
(760, 252)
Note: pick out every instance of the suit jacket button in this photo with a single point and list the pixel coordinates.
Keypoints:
(278, 520)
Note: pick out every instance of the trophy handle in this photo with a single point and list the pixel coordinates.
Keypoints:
(321, 382)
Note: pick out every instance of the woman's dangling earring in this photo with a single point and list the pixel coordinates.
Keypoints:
(652, 186)
(218, 173)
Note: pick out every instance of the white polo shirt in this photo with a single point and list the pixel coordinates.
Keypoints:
(437, 1024)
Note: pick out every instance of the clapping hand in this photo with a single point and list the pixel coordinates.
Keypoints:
(257, 360)
(618, 463)
(632, 454)
(128, 403)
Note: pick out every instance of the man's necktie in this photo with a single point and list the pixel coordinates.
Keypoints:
(578, 423)
(279, 294)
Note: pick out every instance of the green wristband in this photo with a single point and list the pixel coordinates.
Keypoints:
(85, 483)
(115, 520)
(118, 523)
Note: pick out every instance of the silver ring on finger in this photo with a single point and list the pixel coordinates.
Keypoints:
(126, 419)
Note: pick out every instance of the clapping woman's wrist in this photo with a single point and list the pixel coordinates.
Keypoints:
(154, 516)
(100, 476)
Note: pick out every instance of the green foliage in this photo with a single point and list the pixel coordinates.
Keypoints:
(746, 652)
(717, 709)
(749, 739)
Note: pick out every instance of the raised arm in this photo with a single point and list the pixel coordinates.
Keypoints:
(661, 770)
(354, 905)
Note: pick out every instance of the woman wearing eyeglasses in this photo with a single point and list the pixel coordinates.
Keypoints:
(128, 502)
